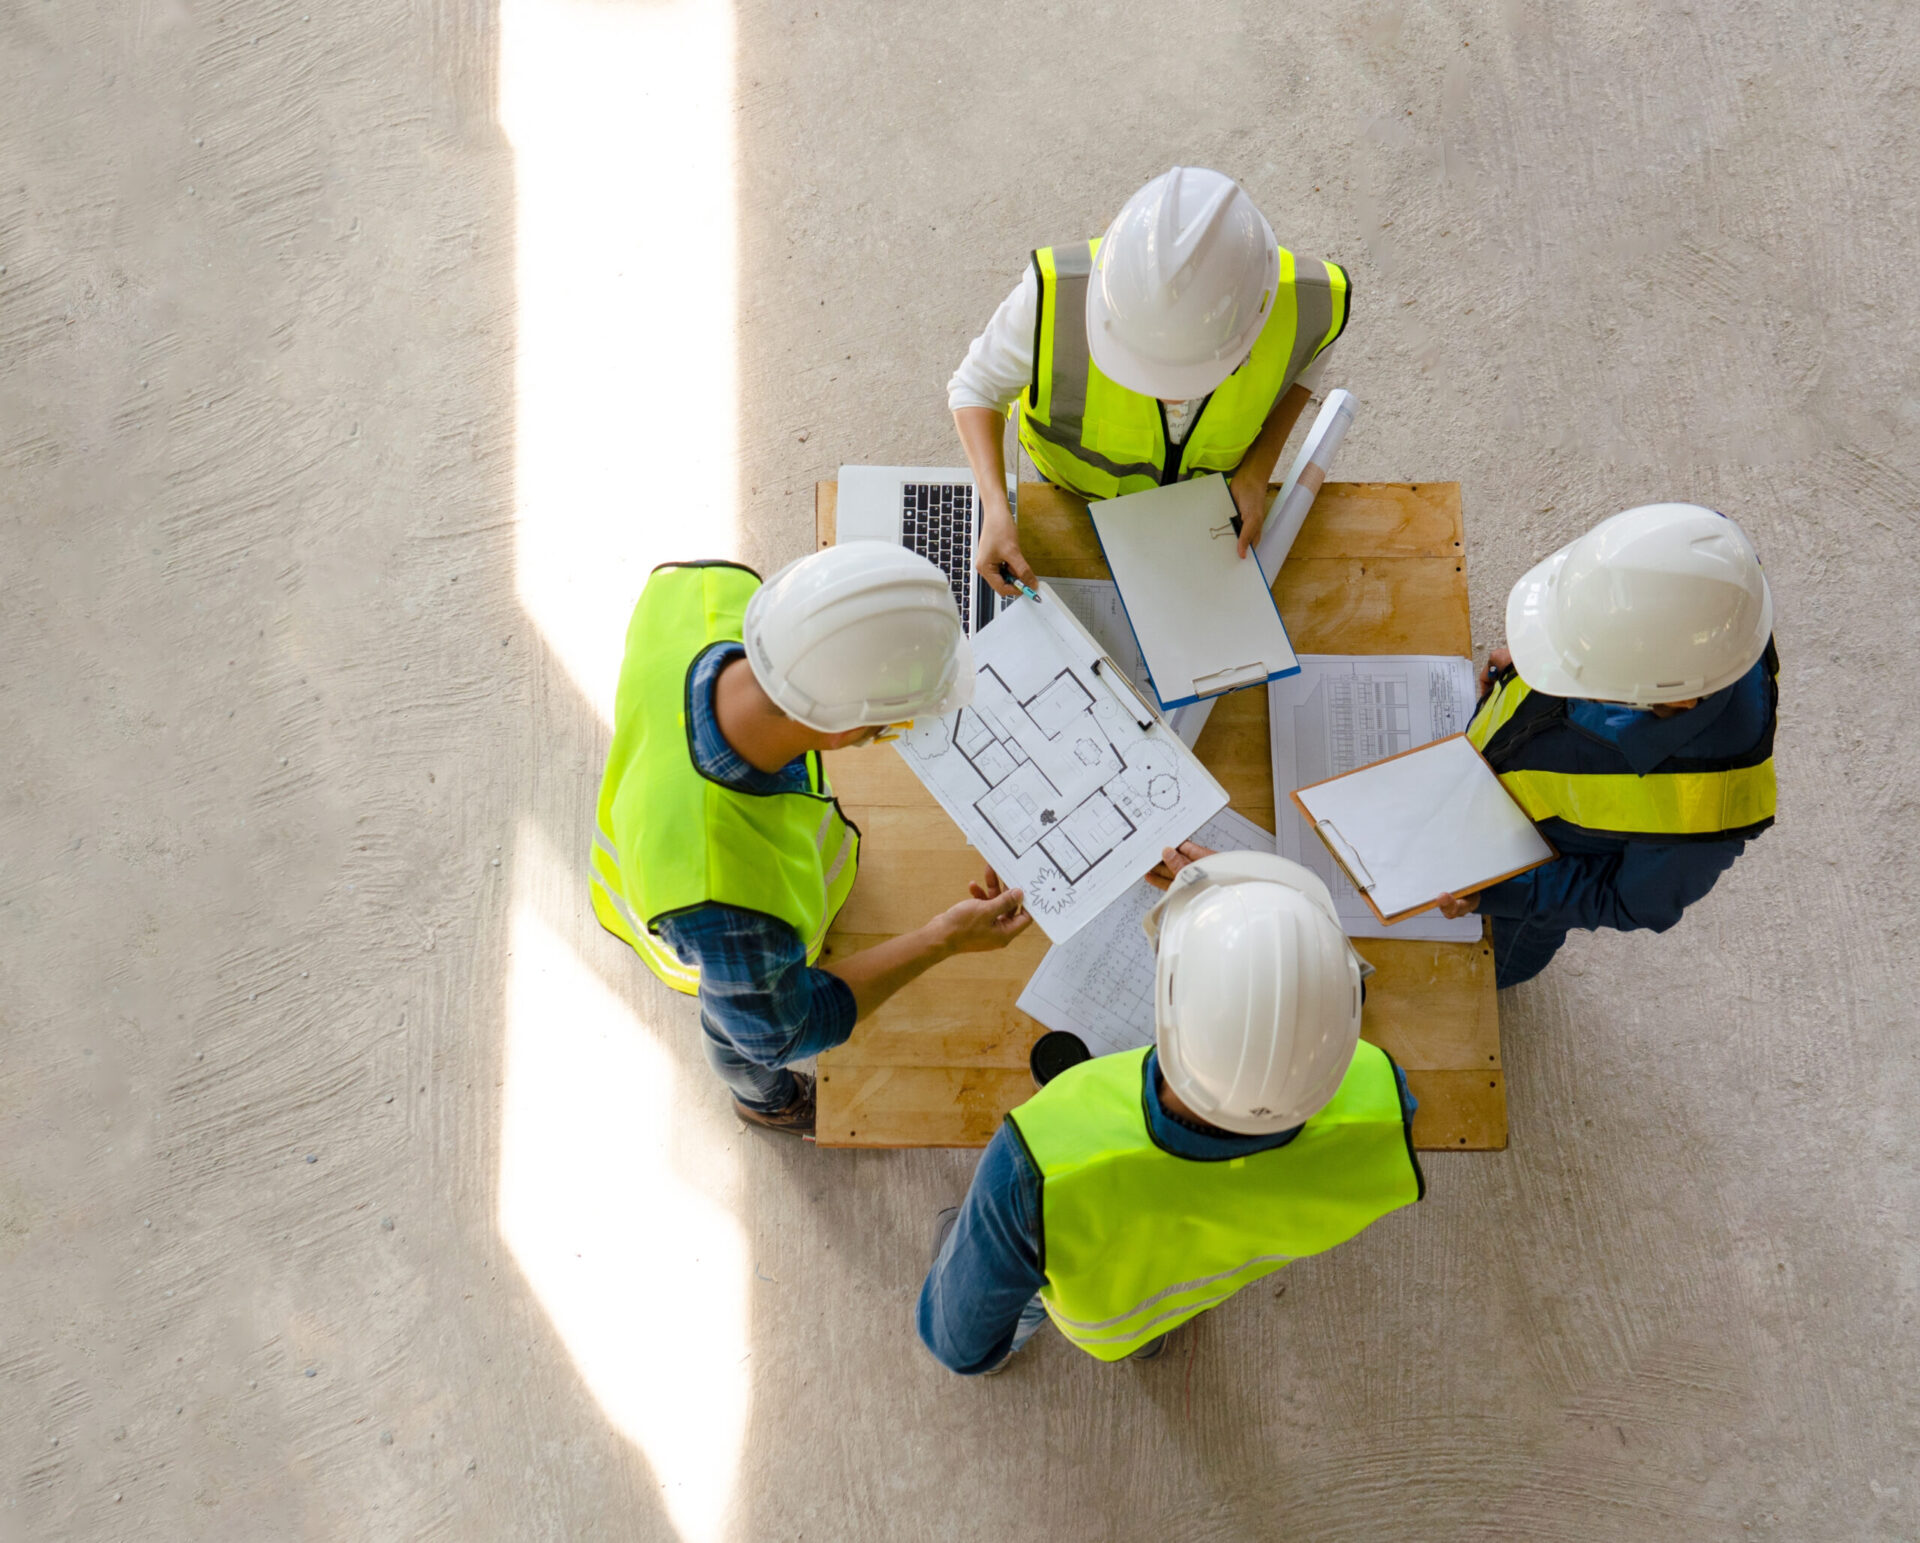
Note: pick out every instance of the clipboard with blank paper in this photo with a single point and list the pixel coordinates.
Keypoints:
(1421, 824)
(1202, 614)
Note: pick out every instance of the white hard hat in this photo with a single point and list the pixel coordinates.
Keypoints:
(1659, 604)
(863, 633)
(1256, 991)
(1182, 285)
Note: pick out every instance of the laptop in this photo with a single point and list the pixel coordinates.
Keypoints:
(927, 509)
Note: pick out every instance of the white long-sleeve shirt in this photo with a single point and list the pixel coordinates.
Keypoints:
(999, 364)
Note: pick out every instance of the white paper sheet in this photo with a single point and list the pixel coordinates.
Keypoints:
(1422, 824)
(1050, 773)
(1100, 984)
(1097, 604)
(1203, 614)
(1343, 711)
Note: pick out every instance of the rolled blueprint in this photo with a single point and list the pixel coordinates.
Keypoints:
(1288, 514)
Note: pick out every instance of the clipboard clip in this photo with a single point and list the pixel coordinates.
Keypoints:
(1117, 683)
(1348, 858)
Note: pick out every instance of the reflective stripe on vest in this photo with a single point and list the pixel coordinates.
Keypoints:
(1089, 434)
(667, 838)
(1135, 1241)
(1731, 798)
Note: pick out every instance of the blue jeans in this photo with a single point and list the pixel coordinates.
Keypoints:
(1031, 1317)
(1522, 948)
(765, 1089)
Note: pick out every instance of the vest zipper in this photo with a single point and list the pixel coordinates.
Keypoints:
(1177, 454)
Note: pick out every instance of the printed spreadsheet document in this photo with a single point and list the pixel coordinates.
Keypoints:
(1344, 711)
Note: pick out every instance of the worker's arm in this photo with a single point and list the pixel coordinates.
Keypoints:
(1642, 887)
(982, 432)
(989, 1268)
(981, 394)
(991, 917)
(1255, 471)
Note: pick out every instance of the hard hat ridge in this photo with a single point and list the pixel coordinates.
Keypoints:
(1662, 603)
(1183, 283)
(862, 634)
(1256, 992)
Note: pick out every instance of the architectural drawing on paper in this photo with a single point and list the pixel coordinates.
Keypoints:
(1099, 984)
(1051, 777)
(1062, 777)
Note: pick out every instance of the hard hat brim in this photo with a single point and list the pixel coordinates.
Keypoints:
(1529, 636)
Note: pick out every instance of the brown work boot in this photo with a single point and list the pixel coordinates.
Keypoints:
(794, 1120)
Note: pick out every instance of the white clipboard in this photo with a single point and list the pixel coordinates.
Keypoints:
(1202, 614)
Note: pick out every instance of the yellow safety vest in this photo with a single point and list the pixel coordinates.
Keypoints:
(1583, 781)
(1096, 438)
(668, 839)
(1135, 1241)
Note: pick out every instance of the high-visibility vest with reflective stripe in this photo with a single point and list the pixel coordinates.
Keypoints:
(668, 839)
(1135, 1241)
(1560, 772)
(1095, 437)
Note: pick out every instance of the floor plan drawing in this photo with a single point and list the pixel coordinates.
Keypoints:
(1050, 771)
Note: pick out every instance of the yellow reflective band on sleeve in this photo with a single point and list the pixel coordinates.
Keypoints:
(1492, 714)
(1337, 285)
(1659, 804)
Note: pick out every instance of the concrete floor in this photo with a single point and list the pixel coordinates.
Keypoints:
(352, 1186)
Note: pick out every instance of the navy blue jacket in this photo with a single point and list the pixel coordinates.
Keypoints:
(1603, 881)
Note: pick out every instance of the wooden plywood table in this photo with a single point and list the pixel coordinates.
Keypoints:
(1378, 569)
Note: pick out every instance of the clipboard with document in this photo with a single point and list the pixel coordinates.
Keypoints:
(1202, 614)
(1433, 820)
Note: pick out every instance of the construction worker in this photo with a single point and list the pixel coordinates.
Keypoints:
(1632, 715)
(1197, 352)
(1137, 1190)
(721, 854)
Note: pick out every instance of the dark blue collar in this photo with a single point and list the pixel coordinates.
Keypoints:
(1724, 724)
(1183, 1140)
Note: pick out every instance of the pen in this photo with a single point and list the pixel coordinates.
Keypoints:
(1007, 574)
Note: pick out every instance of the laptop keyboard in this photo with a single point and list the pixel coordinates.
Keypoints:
(936, 520)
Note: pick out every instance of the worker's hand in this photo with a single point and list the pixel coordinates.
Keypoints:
(1173, 859)
(987, 921)
(1498, 659)
(1250, 502)
(1453, 906)
(988, 887)
(998, 545)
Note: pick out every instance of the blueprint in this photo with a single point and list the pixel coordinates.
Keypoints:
(1100, 984)
(1058, 772)
(1344, 711)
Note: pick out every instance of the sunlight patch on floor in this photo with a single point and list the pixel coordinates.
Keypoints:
(643, 1275)
(620, 114)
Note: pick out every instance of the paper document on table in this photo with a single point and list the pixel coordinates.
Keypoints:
(1343, 711)
(1100, 984)
(1060, 773)
(1097, 603)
